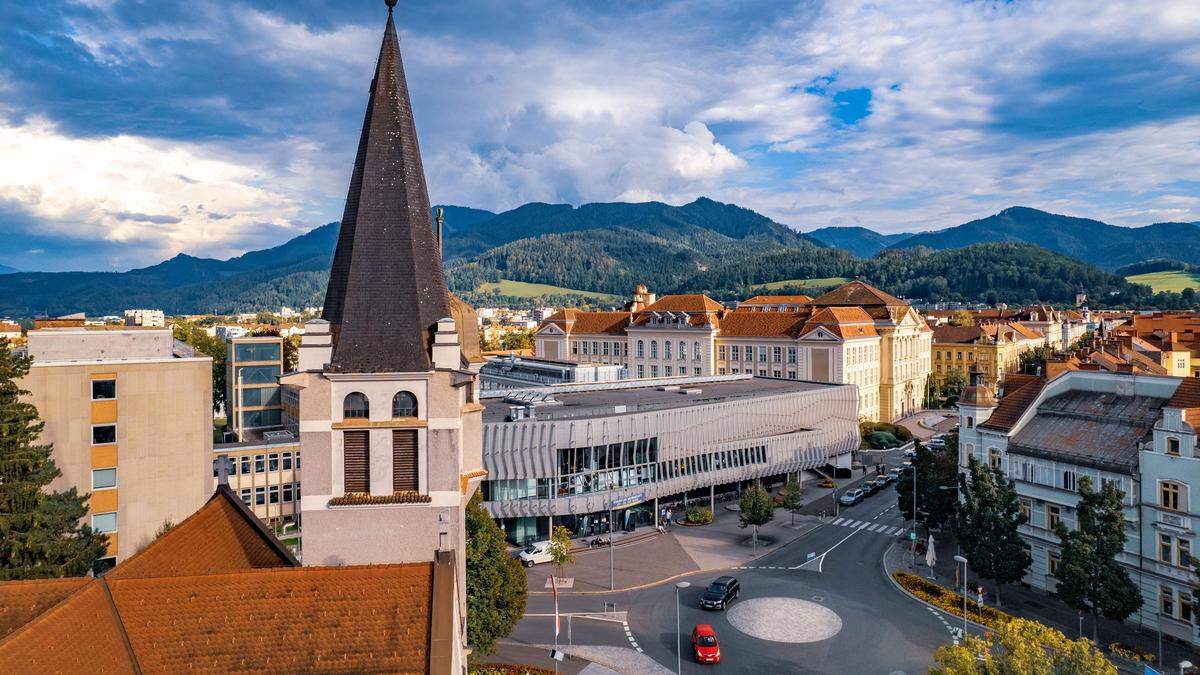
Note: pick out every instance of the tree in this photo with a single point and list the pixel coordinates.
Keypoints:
(1021, 646)
(986, 524)
(40, 532)
(962, 318)
(755, 509)
(208, 345)
(560, 548)
(792, 498)
(1089, 577)
(496, 584)
(935, 469)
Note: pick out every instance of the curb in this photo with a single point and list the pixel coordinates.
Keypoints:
(883, 565)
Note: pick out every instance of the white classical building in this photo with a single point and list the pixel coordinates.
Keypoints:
(855, 334)
(1134, 431)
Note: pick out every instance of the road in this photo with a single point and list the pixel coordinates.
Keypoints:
(882, 631)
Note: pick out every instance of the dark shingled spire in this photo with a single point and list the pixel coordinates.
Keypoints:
(386, 289)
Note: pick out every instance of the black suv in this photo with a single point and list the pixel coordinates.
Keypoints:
(720, 593)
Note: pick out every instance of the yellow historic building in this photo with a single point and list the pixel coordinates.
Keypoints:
(993, 348)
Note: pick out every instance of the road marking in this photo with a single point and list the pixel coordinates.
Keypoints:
(854, 524)
(864, 525)
(838, 521)
(874, 528)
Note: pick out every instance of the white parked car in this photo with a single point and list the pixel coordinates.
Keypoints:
(537, 552)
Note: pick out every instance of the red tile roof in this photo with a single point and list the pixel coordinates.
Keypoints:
(1187, 395)
(218, 594)
(761, 324)
(690, 302)
(858, 293)
(958, 334)
(1015, 402)
(776, 300)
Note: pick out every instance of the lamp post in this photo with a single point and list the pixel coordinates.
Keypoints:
(678, 631)
(959, 558)
(1184, 666)
(612, 579)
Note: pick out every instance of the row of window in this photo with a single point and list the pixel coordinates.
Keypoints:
(1174, 550)
(256, 351)
(736, 352)
(356, 405)
(762, 372)
(272, 494)
(1176, 604)
(682, 353)
(247, 464)
(600, 348)
(667, 371)
(619, 476)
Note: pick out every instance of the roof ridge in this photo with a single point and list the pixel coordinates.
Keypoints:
(133, 661)
(301, 569)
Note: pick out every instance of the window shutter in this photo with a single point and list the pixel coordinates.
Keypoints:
(404, 460)
(357, 457)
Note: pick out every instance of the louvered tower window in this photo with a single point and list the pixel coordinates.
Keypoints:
(404, 460)
(357, 458)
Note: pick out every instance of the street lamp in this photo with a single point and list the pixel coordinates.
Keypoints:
(959, 558)
(1184, 666)
(678, 648)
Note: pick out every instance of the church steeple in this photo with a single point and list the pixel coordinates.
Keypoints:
(386, 288)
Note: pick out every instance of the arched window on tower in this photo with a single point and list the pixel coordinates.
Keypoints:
(356, 406)
(404, 404)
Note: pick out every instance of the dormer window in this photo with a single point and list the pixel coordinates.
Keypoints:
(404, 404)
(356, 406)
(1173, 446)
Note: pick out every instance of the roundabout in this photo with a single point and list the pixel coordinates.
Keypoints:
(805, 621)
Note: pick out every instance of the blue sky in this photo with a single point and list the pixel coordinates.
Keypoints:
(132, 130)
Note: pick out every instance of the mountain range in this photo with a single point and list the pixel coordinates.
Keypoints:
(704, 246)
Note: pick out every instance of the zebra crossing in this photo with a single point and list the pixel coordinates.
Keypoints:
(869, 526)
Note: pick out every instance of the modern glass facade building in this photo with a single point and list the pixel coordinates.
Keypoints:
(253, 366)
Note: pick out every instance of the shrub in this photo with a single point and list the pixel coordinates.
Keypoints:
(698, 515)
(1131, 653)
(882, 439)
(507, 669)
(944, 598)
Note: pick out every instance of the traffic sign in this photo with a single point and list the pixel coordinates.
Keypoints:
(912, 536)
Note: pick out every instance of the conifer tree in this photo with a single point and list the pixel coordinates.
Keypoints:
(1089, 577)
(40, 531)
(987, 526)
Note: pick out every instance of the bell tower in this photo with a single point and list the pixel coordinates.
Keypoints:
(385, 398)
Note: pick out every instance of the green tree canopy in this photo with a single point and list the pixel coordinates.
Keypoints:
(496, 584)
(792, 498)
(560, 548)
(987, 523)
(1089, 577)
(40, 531)
(755, 509)
(208, 345)
(1025, 647)
(936, 468)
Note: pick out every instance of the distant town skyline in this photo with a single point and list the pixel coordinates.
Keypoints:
(217, 127)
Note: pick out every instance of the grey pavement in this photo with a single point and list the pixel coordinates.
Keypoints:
(644, 561)
(1030, 603)
(926, 423)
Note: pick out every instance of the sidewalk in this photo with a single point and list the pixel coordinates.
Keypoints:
(1029, 603)
(646, 557)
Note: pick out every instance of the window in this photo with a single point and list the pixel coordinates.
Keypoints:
(1026, 509)
(625, 349)
(762, 354)
(246, 496)
(641, 371)
(1166, 549)
(605, 347)
(287, 492)
(776, 373)
(1166, 600)
(104, 522)
(791, 354)
(274, 494)
(261, 418)
(994, 459)
(762, 372)
(654, 349)
(667, 371)
(1185, 607)
(595, 347)
(258, 374)
(696, 371)
(696, 350)
(1052, 561)
(1053, 516)
(791, 375)
(574, 347)
(103, 565)
(356, 406)
(722, 353)
(260, 496)
(260, 463)
(404, 460)
(1172, 443)
(720, 371)
(245, 463)
(273, 461)
(666, 349)
(287, 461)
(1068, 482)
(641, 349)
(356, 461)
(297, 461)
(103, 390)
(257, 351)
(653, 371)
(104, 433)
(404, 404)
(104, 478)
(585, 347)
(1168, 494)
(776, 354)
(970, 422)
(682, 350)
(260, 396)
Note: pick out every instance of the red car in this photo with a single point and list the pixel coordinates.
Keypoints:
(705, 645)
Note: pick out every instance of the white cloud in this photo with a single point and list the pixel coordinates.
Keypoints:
(166, 196)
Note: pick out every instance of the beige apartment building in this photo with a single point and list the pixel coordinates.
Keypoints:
(129, 412)
(264, 472)
(855, 334)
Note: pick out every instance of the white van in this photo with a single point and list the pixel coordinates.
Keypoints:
(537, 552)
